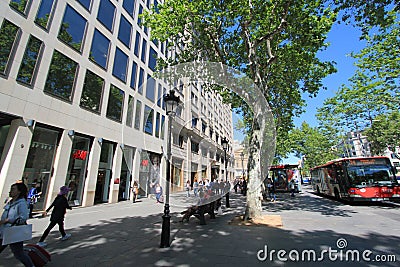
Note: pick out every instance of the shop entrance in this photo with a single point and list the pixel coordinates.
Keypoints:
(102, 186)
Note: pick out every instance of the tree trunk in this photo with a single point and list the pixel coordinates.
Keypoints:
(254, 195)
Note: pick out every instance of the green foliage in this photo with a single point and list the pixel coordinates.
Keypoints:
(368, 15)
(8, 34)
(313, 144)
(274, 42)
(373, 90)
(384, 132)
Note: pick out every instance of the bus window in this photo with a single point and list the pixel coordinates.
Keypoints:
(369, 175)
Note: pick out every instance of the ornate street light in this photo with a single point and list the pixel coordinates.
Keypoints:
(224, 144)
(171, 103)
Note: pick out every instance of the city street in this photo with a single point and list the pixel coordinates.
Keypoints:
(128, 234)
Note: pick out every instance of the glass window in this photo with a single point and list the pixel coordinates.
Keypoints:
(77, 168)
(115, 103)
(141, 77)
(129, 113)
(139, 20)
(28, 64)
(159, 95)
(137, 44)
(72, 28)
(157, 133)
(106, 14)
(138, 114)
(92, 92)
(20, 5)
(85, 3)
(100, 48)
(150, 87)
(152, 59)
(148, 4)
(129, 6)
(125, 31)
(148, 120)
(133, 75)
(8, 37)
(40, 160)
(120, 65)
(44, 13)
(61, 76)
(162, 126)
(144, 49)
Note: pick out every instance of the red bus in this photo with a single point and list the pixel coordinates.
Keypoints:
(357, 179)
(282, 174)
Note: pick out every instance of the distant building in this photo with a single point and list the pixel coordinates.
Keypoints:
(356, 144)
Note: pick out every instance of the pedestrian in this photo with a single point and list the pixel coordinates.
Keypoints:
(187, 188)
(60, 205)
(292, 187)
(16, 210)
(195, 187)
(271, 190)
(135, 191)
(33, 196)
(158, 190)
(244, 187)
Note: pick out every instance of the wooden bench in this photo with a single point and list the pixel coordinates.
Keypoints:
(200, 210)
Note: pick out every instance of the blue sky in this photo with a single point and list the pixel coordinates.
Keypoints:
(343, 40)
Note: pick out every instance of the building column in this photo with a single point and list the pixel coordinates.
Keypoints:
(187, 169)
(92, 173)
(116, 174)
(209, 165)
(61, 162)
(15, 153)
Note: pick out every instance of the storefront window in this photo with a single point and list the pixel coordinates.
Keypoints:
(77, 169)
(3, 137)
(39, 164)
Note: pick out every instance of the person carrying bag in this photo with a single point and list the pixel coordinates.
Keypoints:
(13, 227)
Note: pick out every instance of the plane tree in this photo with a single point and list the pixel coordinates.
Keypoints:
(275, 43)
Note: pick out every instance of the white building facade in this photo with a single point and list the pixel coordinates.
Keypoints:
(79, 105)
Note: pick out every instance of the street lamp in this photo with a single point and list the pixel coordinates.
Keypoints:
(171, 103)
(242, 158)
(224, 144)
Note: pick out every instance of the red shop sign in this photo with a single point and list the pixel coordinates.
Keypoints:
(79, 154)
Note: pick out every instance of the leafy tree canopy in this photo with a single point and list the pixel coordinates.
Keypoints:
(312, 143)
(274, 42)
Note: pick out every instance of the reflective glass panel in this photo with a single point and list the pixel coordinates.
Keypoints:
(100, 48)
(115, 103)
(72, 28)
(92, 92)
(61, 76)
(29, 61)
(44, 13)
(106, 14)
(8, 34)
(120, 65)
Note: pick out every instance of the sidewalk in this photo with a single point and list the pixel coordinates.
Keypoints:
(128, 234)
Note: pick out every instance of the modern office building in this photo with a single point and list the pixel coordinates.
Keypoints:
(80, 105)
(356, 144)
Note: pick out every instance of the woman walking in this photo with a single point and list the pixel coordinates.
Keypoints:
(16, 210)
(60, 205)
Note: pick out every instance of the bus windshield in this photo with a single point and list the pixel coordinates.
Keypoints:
(368, 175)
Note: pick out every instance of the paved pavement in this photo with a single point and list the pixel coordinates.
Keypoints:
(128, 234)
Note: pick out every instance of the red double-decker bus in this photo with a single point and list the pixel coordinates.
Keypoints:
(357, 179)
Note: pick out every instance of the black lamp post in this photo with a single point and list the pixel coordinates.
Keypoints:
(242, 158)
(171, 102)
(224, 144)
